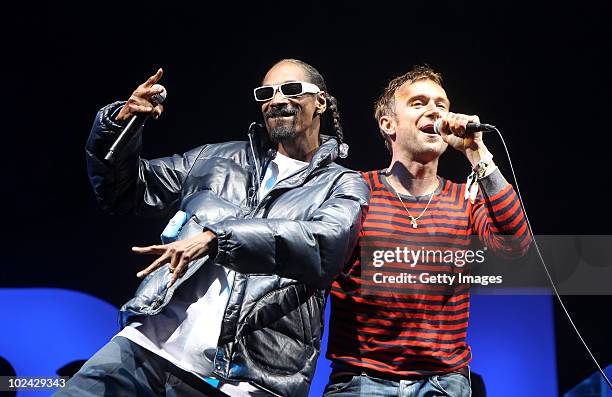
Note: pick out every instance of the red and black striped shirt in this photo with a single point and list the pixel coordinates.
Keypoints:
(418, 328)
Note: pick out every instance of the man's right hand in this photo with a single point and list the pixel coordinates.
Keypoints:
(139, 100)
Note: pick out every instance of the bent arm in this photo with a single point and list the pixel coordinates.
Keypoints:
(132, 184)
(312, 251)
(498, 219)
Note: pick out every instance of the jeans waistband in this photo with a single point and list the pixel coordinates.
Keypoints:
(343, 372)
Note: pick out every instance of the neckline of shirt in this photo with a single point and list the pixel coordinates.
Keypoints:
(383, 179)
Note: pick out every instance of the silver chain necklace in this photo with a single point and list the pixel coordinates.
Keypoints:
(413, 220)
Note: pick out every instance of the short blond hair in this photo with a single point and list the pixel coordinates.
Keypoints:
(385, 104)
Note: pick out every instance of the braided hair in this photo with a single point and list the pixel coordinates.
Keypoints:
(332, 103)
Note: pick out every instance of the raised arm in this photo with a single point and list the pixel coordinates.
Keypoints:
(131, 184)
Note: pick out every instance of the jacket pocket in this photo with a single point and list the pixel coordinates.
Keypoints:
(276, 336)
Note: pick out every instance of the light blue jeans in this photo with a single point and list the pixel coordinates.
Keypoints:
(448, 385)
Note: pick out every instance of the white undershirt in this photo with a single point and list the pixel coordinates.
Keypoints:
(187, 330)
(279, 168)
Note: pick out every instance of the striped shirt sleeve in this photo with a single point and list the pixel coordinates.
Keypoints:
(498, 219)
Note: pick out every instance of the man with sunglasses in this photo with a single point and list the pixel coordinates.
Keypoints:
(234, 301)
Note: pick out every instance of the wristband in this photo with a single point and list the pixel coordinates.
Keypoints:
(478, 172)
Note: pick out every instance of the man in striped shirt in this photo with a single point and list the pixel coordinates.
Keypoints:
(400, 311)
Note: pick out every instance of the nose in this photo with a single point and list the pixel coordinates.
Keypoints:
(432, 110)
(278, 99)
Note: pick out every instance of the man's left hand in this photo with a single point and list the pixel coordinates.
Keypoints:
(178, 254)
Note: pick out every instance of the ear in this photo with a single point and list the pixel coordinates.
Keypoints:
(387, 125)
(321, 103)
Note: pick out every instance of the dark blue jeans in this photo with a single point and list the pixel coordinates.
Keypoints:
(123, 368)
(448, 385)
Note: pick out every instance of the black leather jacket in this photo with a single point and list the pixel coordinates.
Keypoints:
(286, 248)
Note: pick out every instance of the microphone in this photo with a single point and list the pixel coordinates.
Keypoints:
(471, 127)
(137, 121)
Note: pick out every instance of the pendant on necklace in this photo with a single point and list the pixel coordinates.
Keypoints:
(413, 222)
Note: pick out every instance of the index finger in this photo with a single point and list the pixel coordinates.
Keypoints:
(474, 118)
(151, 249)
(154, 79)
(443, 126)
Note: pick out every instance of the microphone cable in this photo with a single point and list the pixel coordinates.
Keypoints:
(550, 279)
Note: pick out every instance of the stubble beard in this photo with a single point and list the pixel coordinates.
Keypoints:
(283, 132)
(424, 151)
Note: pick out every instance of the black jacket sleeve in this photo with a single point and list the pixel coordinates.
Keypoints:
(312, 251)
(132, 184)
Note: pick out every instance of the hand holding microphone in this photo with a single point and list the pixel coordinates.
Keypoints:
(460, 124)
(147, 98)
(145, 101)
(464, 133)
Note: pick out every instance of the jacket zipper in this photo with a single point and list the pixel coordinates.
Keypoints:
(308, 170)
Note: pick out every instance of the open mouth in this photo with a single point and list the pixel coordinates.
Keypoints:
(428, 129)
